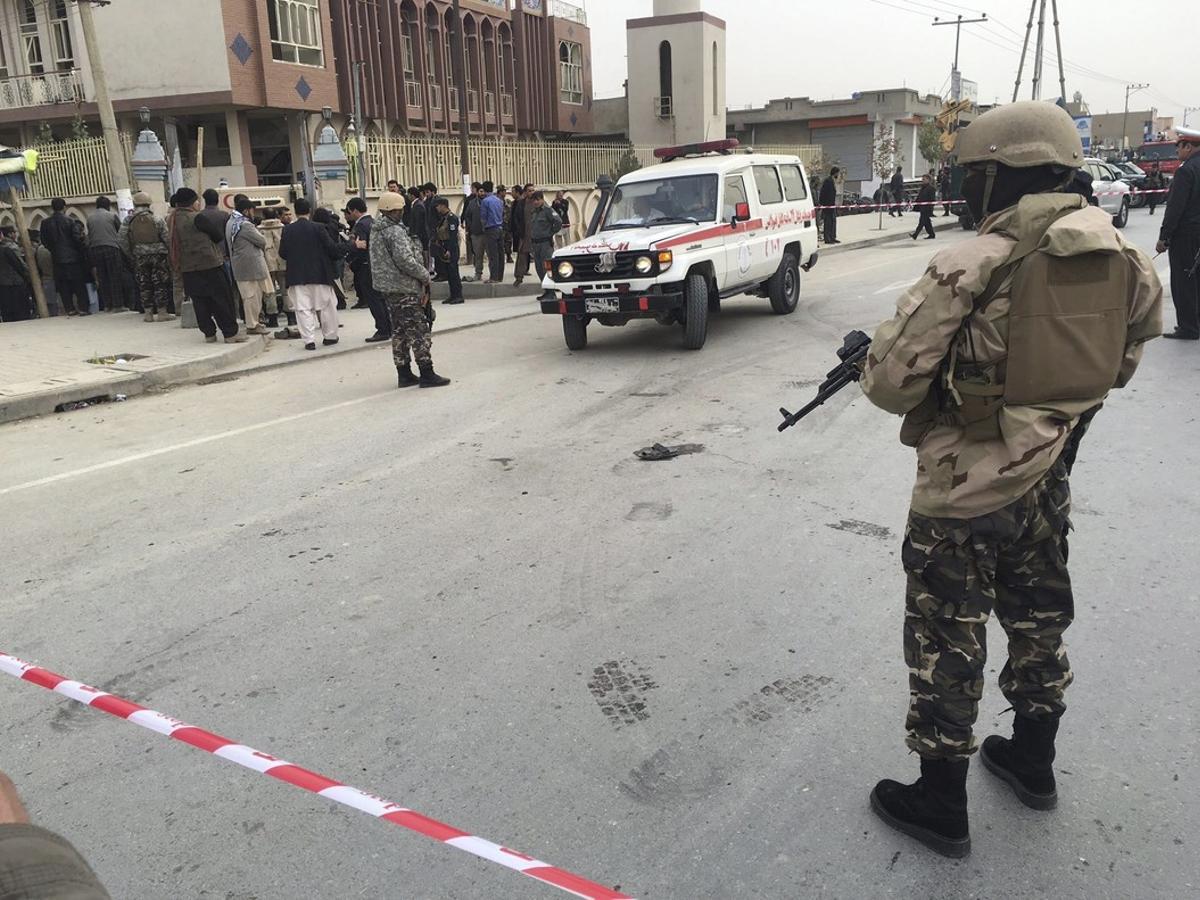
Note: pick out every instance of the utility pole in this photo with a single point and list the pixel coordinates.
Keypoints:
(1037, 53)
(117, 163)
(1024, 48)
(1129, 89)
(958, 23)
(1189, 109)
(459, 52)
(1062, 78)
(360, 164)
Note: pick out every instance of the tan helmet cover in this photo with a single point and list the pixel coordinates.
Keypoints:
(1020, 135)
(390, 201)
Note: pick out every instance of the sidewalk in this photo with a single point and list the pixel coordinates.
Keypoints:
(44, 363)
(856, 232)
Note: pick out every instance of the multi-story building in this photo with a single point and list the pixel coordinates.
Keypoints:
(527, 66)
(255, 74)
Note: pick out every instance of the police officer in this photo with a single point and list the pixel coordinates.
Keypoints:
(399, 273)
(993, 357)
(445, 248)
(1180, 237)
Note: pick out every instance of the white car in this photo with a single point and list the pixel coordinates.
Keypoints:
(1112, 192)
(676, 238)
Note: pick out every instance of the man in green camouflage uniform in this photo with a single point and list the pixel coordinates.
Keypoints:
(144, 238)
(398, 272)
(994, 357)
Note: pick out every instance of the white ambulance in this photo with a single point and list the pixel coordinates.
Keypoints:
(675, 239)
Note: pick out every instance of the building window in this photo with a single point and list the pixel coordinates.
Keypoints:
(31, 40)
(570, 72)
(60, 33)
(296, 31)
(410, 71)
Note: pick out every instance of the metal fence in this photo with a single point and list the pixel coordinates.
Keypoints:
(559, 165)
(71, 169)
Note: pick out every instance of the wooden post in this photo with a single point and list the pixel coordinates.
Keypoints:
(200, 160)
(35, 276)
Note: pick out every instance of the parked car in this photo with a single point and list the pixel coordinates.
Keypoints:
(677, 238)
(1112, 191)
(1135, 178)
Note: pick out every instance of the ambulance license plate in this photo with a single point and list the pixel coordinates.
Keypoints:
(602, 304)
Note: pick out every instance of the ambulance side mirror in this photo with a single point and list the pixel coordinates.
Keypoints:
(741, 212)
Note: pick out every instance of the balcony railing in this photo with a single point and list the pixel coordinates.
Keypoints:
(453, 100)
(412, 93)
(561, 10)
(664, 107)
(489, 104)
(473, 102)
(23, 91)
(435, 96)
(506, 105)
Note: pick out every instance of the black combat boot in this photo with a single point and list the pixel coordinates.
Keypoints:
(1025, 762)
(933, 810)
(430, 378)
(273, 320)
(406, 378)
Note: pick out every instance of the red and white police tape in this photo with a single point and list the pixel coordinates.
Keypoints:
(309, 781)
(875, 206)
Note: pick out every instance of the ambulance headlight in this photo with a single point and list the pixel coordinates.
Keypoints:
(643, 265)
(565, 270)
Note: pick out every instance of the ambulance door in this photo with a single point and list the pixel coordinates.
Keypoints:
(737, 241)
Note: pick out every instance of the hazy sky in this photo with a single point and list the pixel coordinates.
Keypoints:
(830, 48)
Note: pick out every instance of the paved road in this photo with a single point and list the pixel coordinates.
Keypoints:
(681, 677)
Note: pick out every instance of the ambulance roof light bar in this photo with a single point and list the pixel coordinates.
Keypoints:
(666, 154)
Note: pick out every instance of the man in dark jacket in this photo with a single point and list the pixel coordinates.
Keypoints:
(445, 248)
(544, 224)
(827, 199)
(310, 252)
(359, 260)
(416, 217)
(472, 221)
(197, 254)
(1180, 237)
(516, 226)
(63, 237)
(944, 185)
(14, 278)
(1154, 184)
(471, 204)
(897, 188)
(212, 219)
(925, 201)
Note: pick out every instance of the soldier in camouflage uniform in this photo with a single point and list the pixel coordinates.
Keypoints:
(144, 238)
(997, 357)
(398, 272)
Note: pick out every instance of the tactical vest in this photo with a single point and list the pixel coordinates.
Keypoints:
(143, 229)
(1067, 329)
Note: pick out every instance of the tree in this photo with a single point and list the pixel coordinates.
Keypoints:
(45, 134)
(79, 129)
(885, 156)
(929, 141)
(627, 163)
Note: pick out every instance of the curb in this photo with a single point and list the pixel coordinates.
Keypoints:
(127, 382)
(210, 378)
(825, 250)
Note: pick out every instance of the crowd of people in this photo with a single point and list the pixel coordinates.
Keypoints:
(230, 265)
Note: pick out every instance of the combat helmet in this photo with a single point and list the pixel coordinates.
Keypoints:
(1020, 135)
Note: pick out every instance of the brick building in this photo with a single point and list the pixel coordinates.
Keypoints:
(255, 74)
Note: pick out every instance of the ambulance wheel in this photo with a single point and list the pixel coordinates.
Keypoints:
(695, 323)
(575, 331)
(1122, 218)
(784, 286)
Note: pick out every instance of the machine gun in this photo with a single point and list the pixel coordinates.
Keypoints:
(853, 351)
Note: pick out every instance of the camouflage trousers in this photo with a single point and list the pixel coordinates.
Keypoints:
(1012, 562)
(152, 272)
(410, 330)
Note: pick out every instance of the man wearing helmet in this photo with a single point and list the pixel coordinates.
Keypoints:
(398, 272)
(995, 357)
